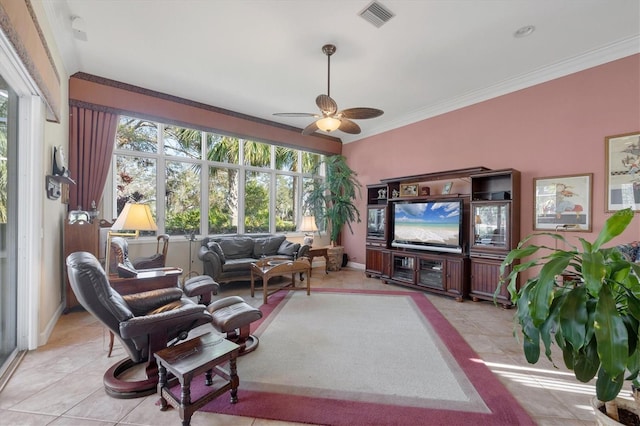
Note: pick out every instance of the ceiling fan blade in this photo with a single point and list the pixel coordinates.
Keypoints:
(327, 105)
(361, 113)
(310, 128)
(348, 126)
(295, 114)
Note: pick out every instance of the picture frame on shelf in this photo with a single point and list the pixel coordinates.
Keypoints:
(425, 191)
(563, 203)
(446, 189)
(622, 161)
(408, 189)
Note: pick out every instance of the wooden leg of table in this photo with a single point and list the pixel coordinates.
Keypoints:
(265, 281)
(235, 381)
(252, 286)
(162, 382)
(309, 282)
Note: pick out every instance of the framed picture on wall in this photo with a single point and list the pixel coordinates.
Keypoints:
(622, 153)
(563, 203)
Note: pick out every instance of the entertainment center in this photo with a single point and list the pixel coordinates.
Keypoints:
(444, 232)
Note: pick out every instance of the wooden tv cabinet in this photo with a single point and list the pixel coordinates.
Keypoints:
(440, 273)
(490, 229)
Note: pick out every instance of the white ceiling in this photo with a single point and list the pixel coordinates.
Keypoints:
(258, 57)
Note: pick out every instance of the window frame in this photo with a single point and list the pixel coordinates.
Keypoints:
(110, 193)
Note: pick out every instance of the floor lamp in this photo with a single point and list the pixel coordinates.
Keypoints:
(309, 227)
(134, 217)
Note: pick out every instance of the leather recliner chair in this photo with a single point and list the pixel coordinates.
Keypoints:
(143, 322)
(120, 254)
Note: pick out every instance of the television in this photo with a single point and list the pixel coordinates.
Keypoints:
(428, 225)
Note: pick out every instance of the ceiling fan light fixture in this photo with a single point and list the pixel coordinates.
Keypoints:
(328, 124)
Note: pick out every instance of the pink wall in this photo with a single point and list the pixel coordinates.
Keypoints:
(554, 128)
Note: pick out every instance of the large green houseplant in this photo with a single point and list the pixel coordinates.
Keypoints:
(593, 316)
(331, 200)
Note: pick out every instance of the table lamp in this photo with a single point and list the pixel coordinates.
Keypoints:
(134, 217)
(309, 227)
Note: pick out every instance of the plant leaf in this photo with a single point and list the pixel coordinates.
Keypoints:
(607, 386)
(613, 227)
(611, 335)
(573, 317)
(587, 362)
(593, 271)
(542, 292)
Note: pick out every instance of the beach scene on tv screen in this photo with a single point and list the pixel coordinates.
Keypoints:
(429, 223)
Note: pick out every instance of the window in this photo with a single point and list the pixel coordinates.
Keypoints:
(243, 186)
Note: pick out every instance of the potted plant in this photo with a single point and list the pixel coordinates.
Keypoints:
(331, 200)
(592, 315)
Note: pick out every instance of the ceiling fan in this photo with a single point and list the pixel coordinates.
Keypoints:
(330, 118)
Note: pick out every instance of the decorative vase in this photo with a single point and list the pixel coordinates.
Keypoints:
(335, 257)
(603, 420)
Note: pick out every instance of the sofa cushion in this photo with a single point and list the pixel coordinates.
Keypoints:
(243, 264)
(267, 246)
(215, 247)
(237, 247)
(287, 248)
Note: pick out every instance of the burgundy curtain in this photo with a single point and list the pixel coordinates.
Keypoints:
(91, 140)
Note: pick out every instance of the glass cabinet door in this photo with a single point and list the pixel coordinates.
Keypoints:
(490, 225)
(376, 221)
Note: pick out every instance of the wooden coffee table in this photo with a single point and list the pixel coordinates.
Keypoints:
(202, 354)
(268, 268)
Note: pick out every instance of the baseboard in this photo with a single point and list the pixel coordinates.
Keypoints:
(356, 265)
(43, 337)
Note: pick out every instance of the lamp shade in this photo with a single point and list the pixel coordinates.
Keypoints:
(328, 124)
(135, 217)
(308, 224)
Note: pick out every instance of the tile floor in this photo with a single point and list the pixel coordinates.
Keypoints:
(60, 383)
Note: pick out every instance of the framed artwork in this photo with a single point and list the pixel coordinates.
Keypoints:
(563, 203)
(446, 189)
(622, 153)
(408, 189)
(425, 190)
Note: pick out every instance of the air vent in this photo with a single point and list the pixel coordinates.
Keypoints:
(376, 14)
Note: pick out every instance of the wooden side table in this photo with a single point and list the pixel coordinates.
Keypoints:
(317, 252)
(266, 269)
(203, 354)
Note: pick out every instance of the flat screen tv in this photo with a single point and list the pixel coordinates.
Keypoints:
(428, 225)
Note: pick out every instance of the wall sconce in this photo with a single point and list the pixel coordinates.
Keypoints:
(308, 225)
(59, 176)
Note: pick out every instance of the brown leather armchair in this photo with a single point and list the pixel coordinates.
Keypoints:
(143, 322)
(120, 254)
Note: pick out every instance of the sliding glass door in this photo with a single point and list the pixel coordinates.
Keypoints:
(8, 226)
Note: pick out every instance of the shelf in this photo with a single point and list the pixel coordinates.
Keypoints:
(449, 174)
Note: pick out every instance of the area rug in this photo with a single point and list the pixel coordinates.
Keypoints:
(352, 357)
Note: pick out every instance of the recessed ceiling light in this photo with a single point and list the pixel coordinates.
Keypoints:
(524, 31)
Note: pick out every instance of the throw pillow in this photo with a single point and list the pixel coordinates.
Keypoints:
(287, 248)
(215, 247)
(267, 246)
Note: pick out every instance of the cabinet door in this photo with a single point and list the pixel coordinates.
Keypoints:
(431, 272)
(374, 262)
(403, 268)
(386, 263)
(455, 279)
(377, 223)
(485, 276)
(491, 226)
